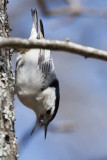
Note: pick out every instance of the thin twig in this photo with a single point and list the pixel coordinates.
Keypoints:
(87, 52)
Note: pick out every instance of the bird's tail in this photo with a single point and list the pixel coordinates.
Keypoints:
(34, 30)
(41, 30)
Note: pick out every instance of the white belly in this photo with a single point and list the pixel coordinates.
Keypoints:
(29, 79)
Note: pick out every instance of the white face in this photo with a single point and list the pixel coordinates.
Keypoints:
(49, 99)
(47, 104)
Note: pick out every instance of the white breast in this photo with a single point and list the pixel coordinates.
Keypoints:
(28, 78)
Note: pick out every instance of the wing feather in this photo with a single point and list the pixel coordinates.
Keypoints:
(46, 65)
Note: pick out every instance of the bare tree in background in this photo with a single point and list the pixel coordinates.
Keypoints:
(72, 10)
(8, 149)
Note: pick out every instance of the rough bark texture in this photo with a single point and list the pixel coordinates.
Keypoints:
(8, 149)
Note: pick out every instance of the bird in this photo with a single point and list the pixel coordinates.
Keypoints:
(36, 83)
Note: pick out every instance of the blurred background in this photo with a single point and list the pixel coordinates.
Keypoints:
(79, 130)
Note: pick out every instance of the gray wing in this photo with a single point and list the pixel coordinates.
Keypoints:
(46, 65)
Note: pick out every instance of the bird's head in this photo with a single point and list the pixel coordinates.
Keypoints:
(49, 99)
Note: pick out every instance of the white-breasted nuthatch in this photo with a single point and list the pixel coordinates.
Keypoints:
(36, 83)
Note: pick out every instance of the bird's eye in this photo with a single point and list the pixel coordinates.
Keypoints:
(48, 111)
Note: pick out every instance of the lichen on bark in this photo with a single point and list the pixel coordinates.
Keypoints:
(8, 147)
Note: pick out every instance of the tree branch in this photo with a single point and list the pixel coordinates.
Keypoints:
(87, 52)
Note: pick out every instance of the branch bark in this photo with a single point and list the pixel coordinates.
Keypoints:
(87, 52)
(8, 149)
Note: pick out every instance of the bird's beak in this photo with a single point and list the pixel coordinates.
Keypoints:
(45, 129)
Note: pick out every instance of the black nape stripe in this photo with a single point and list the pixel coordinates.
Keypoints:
(55, 84)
